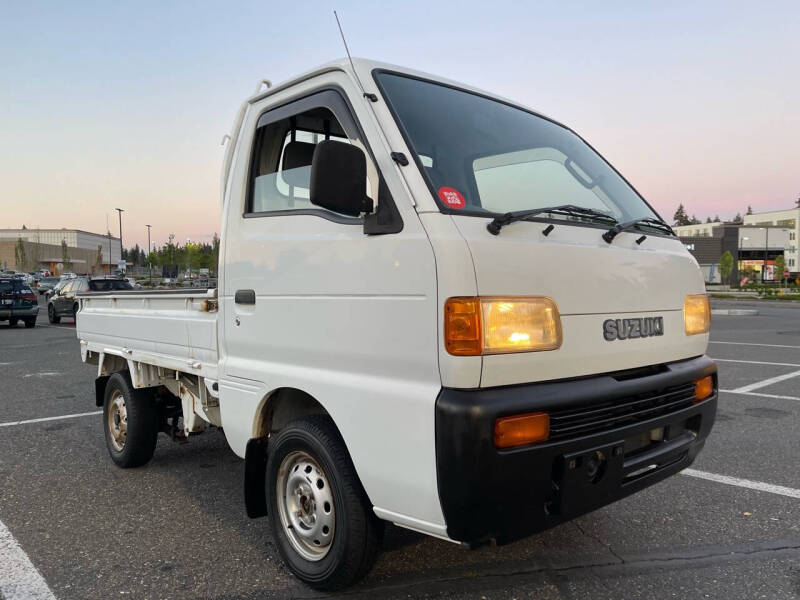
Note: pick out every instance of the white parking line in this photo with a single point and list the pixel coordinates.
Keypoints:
(756, 362)
(75, 416)
(765, 382)
(19, 579)
(752, 344)
(744, 483)
(760, 395)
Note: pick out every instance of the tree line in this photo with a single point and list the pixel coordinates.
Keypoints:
(192, 255)
(681, 217)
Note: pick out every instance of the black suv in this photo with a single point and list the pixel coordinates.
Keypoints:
(17, 302)
(64, 303)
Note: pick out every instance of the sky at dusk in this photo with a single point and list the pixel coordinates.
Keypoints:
(112, 104)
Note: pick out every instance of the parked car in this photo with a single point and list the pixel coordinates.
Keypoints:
(64, 302)
(17, 302)
(47, 283)
(105, 284)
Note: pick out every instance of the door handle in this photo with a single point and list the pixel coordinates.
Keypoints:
(245, 297)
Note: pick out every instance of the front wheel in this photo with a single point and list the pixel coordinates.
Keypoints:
(13, 322)
(131, 422)
(30, 323)
(320, 516)
(51, 314)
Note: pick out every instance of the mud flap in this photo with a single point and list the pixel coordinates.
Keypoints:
(100, 390)
(255, 472)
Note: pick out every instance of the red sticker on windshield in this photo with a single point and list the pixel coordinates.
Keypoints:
(452, 198)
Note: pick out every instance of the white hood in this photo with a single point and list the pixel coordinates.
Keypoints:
(591, 281)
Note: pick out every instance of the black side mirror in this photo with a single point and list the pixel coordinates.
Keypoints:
(339, 178)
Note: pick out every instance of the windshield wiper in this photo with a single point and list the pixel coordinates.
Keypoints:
(564, 209)
(609, 235)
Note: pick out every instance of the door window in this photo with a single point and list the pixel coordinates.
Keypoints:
(280, 175)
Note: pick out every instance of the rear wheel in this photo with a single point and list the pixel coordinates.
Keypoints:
(13, 322)
(320, 516)
(29, 323)
(131, 422)
(51, 314)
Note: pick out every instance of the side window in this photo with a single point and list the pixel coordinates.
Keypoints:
(281, 167)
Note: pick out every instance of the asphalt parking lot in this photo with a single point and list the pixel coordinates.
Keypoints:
(177, 529)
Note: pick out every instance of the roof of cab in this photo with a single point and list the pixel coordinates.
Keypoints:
(364, 68)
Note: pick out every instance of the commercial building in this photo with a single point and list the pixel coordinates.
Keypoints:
(754, 244)
(58, 250)
(788, 219)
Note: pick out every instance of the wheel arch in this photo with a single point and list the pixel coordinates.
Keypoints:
(278, 408)
(283, 405)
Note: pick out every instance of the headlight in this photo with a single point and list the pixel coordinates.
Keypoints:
(475, 326)
(696, 314)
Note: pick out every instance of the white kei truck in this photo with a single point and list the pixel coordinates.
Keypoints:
(435, 307)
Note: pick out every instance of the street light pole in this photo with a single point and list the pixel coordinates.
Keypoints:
(739, 258)
(149, 263)
(120, 211)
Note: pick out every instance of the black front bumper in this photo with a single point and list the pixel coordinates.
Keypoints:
(505, 495)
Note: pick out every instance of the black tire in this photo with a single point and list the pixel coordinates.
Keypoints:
(141, 431)
(13, 322)
(75, 308)
(357, 533)
(30, 323)
(51, 314)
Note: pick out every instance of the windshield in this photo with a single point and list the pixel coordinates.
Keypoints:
(484, 156)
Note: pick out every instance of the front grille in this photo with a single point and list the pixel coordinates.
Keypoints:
(597, 418)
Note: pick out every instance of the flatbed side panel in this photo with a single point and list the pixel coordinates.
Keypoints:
(165, 330)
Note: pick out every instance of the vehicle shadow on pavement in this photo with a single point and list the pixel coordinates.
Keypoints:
(409, 562)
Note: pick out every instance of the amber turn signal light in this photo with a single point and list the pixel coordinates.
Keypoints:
(703, 388)
(520, 430)
(462, 326)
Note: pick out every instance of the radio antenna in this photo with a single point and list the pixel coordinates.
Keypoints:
(371, 97)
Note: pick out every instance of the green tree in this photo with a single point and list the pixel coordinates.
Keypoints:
(680, 217)
(780, 267)
(215, 254)
(694, 220)
(738, 218)
(19, 255)
(726, 265)
(749, 210)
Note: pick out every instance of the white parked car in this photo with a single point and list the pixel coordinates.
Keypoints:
(436, 308)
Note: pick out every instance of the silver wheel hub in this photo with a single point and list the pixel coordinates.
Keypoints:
(305, 505)
(117, 420)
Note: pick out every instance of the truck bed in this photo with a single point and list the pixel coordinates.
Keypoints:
(174, 329)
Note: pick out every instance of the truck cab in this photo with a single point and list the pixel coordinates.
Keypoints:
(436, 308)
